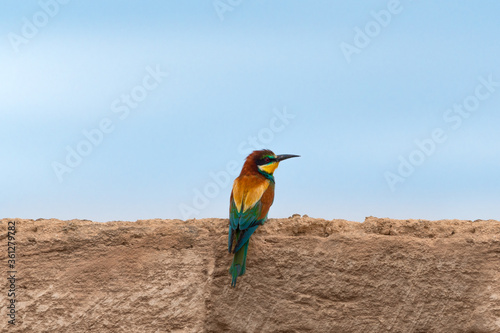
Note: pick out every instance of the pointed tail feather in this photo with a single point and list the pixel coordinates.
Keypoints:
(239, 263)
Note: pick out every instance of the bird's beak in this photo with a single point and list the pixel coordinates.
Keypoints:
(280, 158)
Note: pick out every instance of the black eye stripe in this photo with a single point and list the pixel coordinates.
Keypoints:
(266, 160)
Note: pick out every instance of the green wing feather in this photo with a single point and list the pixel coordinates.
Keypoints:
(241, 225)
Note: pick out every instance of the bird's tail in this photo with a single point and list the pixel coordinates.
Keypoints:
(238, 266)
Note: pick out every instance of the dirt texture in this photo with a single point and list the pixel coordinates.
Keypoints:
(303, 275)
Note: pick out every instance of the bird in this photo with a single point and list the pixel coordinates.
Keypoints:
(251, 197)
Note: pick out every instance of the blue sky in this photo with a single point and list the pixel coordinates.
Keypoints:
(259, 73)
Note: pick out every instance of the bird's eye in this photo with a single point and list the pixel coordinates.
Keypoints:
(267, 160)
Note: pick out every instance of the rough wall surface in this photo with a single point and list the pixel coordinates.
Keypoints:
(303, 275)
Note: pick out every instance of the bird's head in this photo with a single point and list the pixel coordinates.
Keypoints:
(265, 161)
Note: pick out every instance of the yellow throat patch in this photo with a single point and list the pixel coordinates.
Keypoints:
(269, 168)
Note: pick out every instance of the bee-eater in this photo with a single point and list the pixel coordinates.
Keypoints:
(251, 198)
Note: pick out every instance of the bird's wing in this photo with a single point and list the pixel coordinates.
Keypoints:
(246, 208)
(246, 201)
(266, 201)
